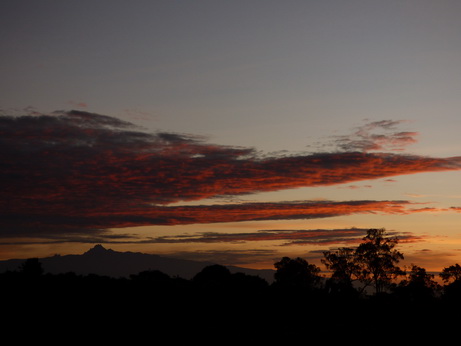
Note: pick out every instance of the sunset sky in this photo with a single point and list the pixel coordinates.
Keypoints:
(236, 132)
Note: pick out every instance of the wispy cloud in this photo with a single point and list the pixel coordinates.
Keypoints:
(349, 236)
(374, 136)
(77, 170)
(356, 187)
(180, 215)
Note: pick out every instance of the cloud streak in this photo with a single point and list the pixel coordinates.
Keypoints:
(46, 221)
(347, 236)
(79, 170)
(202, 214)
(375, 136)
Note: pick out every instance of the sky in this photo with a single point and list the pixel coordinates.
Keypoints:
(236, 132)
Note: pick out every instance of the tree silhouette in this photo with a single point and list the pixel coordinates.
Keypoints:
(451, 273)
(377, 259)
(419, 285)
(452, 277)
(31, 268)
(296, 273)
(345, 270)
(373, 262)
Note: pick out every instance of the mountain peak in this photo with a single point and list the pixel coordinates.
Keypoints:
(97, 250)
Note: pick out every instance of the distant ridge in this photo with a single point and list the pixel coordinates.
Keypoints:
(101, 261)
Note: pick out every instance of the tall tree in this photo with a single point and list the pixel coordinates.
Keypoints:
(452, 278)
(419, 285)
(378, 259)
(372, 263)
(344, 267)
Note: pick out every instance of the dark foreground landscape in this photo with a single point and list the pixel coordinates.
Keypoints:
(219, 307)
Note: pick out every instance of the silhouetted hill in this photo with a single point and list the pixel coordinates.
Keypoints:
(101, 261)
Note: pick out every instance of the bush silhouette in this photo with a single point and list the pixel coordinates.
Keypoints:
(31, 268)
(296, 273)
(212, 274)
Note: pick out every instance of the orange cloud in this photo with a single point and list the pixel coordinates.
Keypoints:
(180, 215)
(79, 170)
(201, 214)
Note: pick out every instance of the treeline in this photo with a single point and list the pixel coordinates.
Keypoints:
(366, 291)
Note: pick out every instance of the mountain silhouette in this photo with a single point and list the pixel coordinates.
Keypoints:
(101, 261)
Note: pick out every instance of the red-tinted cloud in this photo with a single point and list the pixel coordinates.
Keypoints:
(352, 236)
(76, 169)
(181, 215)
(201, 214)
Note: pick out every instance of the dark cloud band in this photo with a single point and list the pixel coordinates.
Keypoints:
(83, 170)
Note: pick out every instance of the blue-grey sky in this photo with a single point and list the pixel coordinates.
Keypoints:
(228, 68)
(268, 75)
